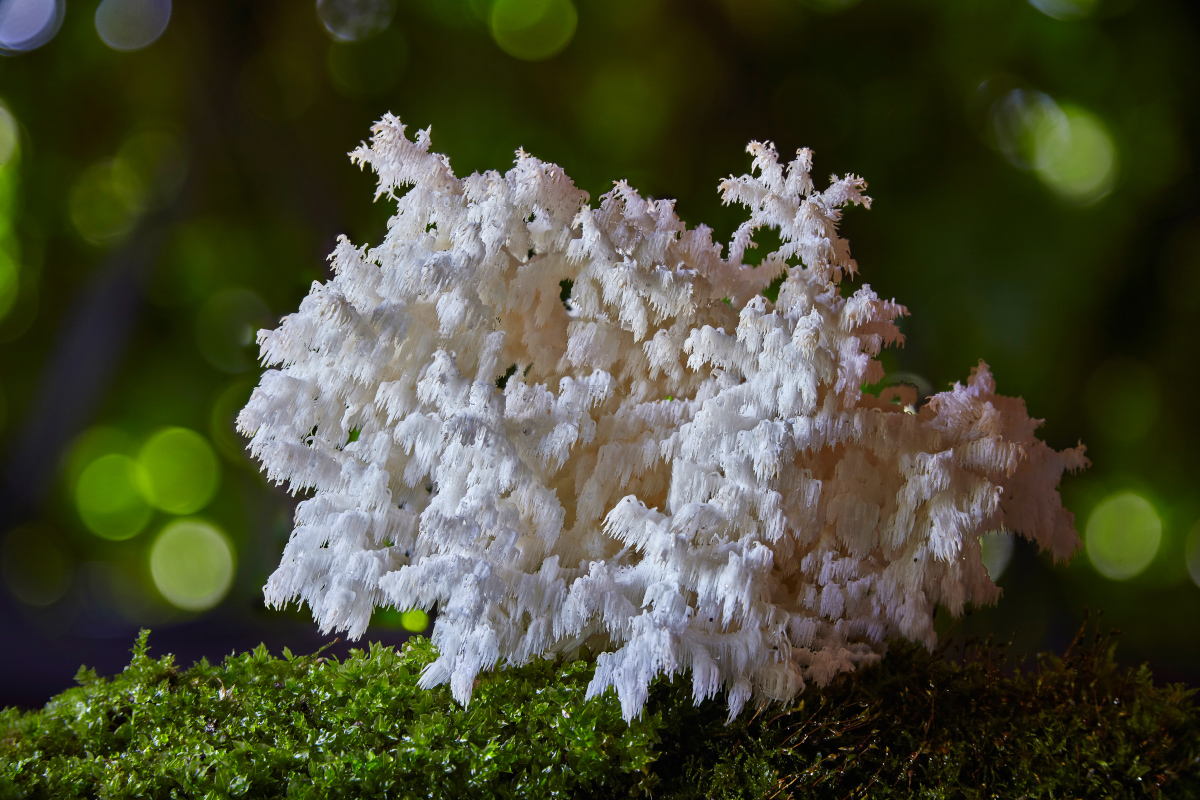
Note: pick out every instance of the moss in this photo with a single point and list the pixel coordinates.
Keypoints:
(919, 725)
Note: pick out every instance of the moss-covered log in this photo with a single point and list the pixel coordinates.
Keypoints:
(918, 725)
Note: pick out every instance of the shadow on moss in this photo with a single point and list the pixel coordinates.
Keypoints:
(918, 725)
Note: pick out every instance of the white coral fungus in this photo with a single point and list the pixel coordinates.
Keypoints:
(676, 471)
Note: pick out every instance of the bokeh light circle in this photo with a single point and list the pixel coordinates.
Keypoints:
(159, 158)
(1020, 119)
(178, 471)
(1123, 535)
(1068, 147)
(1191, 553)
(132, 24)
(354, 20)
(997, 548)
(1080, 166)
(9, 136)
(222, 424)
(192, 564)
(1065, 9)
(90, 445)
(533, 30)
(109, 500)
(28, 24)
(9, 187)
(10, 283)
(227, 326)
(106, 201)
(414, 620)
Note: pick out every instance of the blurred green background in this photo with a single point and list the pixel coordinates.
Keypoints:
(173, 178)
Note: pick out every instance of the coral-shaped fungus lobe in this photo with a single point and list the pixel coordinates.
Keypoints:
(667, 467)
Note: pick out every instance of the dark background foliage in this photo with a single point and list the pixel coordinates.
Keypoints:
(1033, 166)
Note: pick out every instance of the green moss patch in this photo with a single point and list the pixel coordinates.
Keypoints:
(918, 725)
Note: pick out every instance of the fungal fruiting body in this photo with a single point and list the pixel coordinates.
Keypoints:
(666, 466)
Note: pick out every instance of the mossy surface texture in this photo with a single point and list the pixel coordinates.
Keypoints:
(918, 725)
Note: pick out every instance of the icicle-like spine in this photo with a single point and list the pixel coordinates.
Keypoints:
(675, 469)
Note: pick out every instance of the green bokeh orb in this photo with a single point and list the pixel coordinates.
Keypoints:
(222, 422)
(178, 471)
(1080, 162)
(9, 136)
(106, 201)
(414, 620)
(533, 30)
(1192, 553)
(997, 550)
(192, 564)
(108, 498)
(1123, 535)
(226, 327)
(10, 283)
